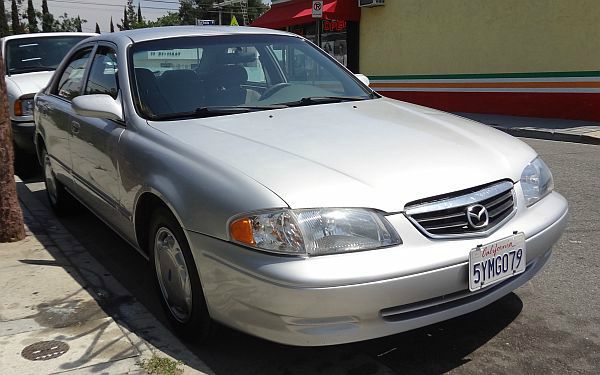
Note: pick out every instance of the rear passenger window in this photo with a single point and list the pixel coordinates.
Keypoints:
(103, 73)
(71, 80)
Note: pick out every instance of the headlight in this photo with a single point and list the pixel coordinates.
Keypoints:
(24, 106)
(314, 231)
(536, 181)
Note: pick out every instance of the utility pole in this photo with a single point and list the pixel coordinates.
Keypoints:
(243, 7)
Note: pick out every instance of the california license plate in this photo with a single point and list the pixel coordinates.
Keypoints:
(496, 261)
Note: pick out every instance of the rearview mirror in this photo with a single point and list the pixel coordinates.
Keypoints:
(98, 106)
(363, 78)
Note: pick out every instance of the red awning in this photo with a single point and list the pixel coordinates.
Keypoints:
(297, 12)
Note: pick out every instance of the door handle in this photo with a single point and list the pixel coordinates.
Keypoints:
(75, 127)
(44, 109)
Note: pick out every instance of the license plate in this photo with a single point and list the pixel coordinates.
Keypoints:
(496, 261)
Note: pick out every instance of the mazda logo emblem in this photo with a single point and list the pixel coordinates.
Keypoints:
(477, 216)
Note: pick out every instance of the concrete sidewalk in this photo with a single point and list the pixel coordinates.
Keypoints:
(62, 312)
(578, 131)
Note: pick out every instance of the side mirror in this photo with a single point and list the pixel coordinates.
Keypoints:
(98, 106)
(363, 78)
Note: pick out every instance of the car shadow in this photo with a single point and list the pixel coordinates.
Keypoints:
(27, 166)
(438, 348)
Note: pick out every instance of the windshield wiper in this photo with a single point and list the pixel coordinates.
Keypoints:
(212, 111)
(310, 100)
(30, 69)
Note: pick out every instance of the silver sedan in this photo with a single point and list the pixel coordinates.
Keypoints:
(274, 192)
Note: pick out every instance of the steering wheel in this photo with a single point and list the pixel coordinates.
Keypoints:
(273, 89)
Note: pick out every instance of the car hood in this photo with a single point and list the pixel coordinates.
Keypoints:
(377, 153)
(30, 83)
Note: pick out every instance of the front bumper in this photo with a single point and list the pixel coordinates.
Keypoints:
(358, 296)
(23, 132)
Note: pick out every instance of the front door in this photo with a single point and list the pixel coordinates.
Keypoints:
(94, 141)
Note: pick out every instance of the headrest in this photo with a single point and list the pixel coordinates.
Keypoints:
(179, 75)
(231, 75)
(143, 74)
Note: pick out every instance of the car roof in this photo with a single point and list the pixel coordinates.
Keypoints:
(142, 35)
(37, 35)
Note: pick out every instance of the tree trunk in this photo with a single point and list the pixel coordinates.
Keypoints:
(11, 217)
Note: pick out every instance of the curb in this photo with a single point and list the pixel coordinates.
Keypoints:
(143, 330)
(549, 135)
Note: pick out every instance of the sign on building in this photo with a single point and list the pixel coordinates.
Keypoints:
(205, 22)
(317, 9)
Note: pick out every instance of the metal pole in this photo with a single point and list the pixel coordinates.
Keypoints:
(318, 32)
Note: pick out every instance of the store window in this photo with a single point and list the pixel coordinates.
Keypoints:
(334, 39)
(339, 38)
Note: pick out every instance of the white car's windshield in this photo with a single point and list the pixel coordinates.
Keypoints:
(211, 76)
(35, 54)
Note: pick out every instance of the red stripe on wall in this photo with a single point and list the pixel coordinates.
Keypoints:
(580, 106)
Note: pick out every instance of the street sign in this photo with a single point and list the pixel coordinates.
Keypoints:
(204, 22)
(234, 21)
(317, 9)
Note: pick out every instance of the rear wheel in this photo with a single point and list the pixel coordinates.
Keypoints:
(177, 278)
(60, 199)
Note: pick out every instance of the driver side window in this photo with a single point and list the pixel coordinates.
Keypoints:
(71, 80)
(103, 73)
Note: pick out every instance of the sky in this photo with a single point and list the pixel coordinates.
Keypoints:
(100, 11)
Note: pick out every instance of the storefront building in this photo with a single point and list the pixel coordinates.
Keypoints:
(526, 58)
(336, 32)
(529, 58)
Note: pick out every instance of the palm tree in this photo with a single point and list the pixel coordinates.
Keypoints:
(11, 217)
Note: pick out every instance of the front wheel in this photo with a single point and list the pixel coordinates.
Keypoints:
(177, 278)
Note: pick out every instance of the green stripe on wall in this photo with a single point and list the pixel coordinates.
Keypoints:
(491, 75)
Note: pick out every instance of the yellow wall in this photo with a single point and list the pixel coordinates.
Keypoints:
(480, 36)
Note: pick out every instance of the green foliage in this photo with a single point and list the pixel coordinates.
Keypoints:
(47, 18)
(66, 23)
(97, 28)
(3, 21)
(161, 366)
(32, 24)
(112, 27)
(124, 25)
(169, 19)
(16, 23)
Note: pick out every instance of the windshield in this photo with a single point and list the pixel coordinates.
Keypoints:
(26, 55)
(220, 75)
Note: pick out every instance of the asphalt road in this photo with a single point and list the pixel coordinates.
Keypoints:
(551, 325)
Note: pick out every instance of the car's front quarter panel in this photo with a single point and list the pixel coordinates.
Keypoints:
(202, 193)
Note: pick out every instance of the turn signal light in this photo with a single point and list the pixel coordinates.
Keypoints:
(18, 108)
(241, 231)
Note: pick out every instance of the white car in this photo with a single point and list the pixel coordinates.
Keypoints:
(30, 60)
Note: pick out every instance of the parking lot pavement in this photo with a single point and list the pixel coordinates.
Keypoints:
(62, 312)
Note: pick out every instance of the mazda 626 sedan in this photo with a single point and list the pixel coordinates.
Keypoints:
(274, 192)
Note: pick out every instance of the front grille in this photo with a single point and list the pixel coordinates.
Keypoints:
(446, 217)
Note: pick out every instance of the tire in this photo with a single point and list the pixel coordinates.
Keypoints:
(182, 297)
(61, 201)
